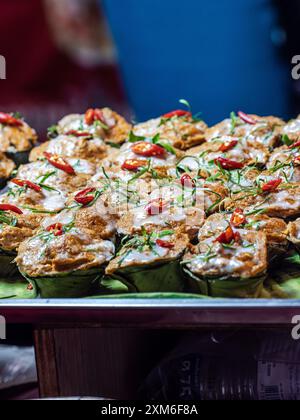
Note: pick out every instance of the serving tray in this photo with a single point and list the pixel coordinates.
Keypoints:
(152, 313)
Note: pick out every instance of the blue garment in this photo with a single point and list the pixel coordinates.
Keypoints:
(217, 54)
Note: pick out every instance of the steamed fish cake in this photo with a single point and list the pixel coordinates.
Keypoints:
(228, 262)
(15, 227)
(6, 168)
(93, 149)
(64, 260)
(167, 207)
(31, 197)
(179, 127)
(67, 175)
(63, 249)
(145, 154)
(294, 232)
(103, 124)
(16, 137)
(269, 195)
(149, 248)
(284, 162)
(264, 131)
(235, 149)
(292, 130)
(150, 262)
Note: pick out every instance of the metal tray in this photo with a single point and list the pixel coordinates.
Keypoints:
(154, 313)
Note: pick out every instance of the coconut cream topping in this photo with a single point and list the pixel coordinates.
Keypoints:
(17, 139)
(29, 200)
(243, 254)
(6, 166)
(264, 131)
(126, 153)
(76, 249)
(43, 172)
(152, 248)
(183, 132)
(172, 206)
(292, 128)
(111, 127)
(294, 232)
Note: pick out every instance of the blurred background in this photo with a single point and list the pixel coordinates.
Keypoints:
(141, 56)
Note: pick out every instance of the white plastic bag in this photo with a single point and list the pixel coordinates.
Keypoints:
(17, 366)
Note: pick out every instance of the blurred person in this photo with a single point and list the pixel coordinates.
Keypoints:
(59, 59)
(82, 21)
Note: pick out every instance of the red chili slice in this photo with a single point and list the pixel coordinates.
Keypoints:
(156, 207)
(238, 218)
(246, 118)
(10, 207)
(297, 160)
(28, 184)
(187, 181)
(84, 198)
(10, 120)
(271, 186)
(78, 133)
(228, 236)
(59, 163)
(93, 115)
(228, 145)
(164, 244)
(295, 145)
(56, 229)
(177, 113)
(134, 164)
(228, 165)
(148, 149)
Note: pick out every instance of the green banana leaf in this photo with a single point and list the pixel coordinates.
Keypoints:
(20, 158)
(67, 285)
(223, 287)
(115, 285)
(152, 278)
(151, 296)
(292, 258)
(8, 268)
(285, 284)
(16, 289)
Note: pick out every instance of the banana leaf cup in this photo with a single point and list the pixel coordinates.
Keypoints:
(17, 138)
(170, 206)
(294, 233)
(64, 261)
(72, 284)
(225, 287)
(227, 262)
(17, 288)
(7, 166)
(72, 176)
(148, 263)
(8, 268)
(104, 124)
(14, 228)
(181, 128)
(285, 283)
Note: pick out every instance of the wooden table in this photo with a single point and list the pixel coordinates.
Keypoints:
(106, 348)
